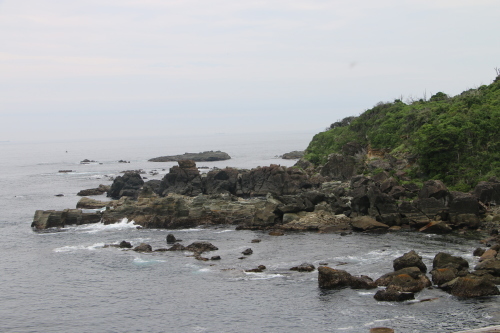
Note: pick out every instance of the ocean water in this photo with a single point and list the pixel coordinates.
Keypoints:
(66, 281)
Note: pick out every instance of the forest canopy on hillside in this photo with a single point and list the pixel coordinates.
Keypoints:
(454, 139)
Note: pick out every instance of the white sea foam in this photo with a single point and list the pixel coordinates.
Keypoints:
(74, 248)
(97, 227)
(220, 232)
(146, 261)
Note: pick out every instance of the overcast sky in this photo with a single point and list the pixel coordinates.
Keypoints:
(130, 68)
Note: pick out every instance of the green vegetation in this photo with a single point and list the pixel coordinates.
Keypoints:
(454, 139)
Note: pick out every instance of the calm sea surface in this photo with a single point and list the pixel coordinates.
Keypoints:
(67, 282)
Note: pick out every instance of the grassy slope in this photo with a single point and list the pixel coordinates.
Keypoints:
(456, 139)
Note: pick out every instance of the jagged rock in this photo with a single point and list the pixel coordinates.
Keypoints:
(470, 286)
(247, 252)
(366, 223)
(184, 179)
(436, 227)
(201, 247)
(385, 295)
(305, 267)
(206, 156)
(410, 259)
(143, 247)
(127, 185)
(362, 282)
(446, 260)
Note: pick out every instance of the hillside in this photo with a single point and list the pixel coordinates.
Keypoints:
(454, 139)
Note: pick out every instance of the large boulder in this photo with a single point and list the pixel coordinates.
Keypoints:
(488, 192)
(435, 189)
(409, 259)
(413, 272)
(366, 223)
(127, 185)
(183, 179)
(446, 260)
(330, 278)
(470, 286)
(442, 275)
(463, 210)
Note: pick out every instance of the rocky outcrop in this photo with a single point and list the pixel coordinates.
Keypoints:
(488, 192)
(127, 185)
(206, 156)
(407, 279)
(94, 191)
(183, 179)
(45, 219)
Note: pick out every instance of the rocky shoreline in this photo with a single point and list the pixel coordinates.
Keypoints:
(284, 199)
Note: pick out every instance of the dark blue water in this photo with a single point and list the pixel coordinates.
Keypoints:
(67, 282)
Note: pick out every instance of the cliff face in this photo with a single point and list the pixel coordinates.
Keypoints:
(454, 139)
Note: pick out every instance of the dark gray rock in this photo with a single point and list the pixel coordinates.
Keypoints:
(409, 259)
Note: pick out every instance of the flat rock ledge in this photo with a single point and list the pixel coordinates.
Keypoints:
(206, 156)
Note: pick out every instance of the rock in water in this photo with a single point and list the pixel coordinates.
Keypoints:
(410, 259)
(247, 252)
(200, 247)
(171, 239)
(143, 247)
(305, 267)
(470, 286)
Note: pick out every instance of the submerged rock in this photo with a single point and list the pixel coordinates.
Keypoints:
(305, 267)
(393, 296)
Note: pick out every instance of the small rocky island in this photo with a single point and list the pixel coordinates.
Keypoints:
(293, 155)
(206, 156)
